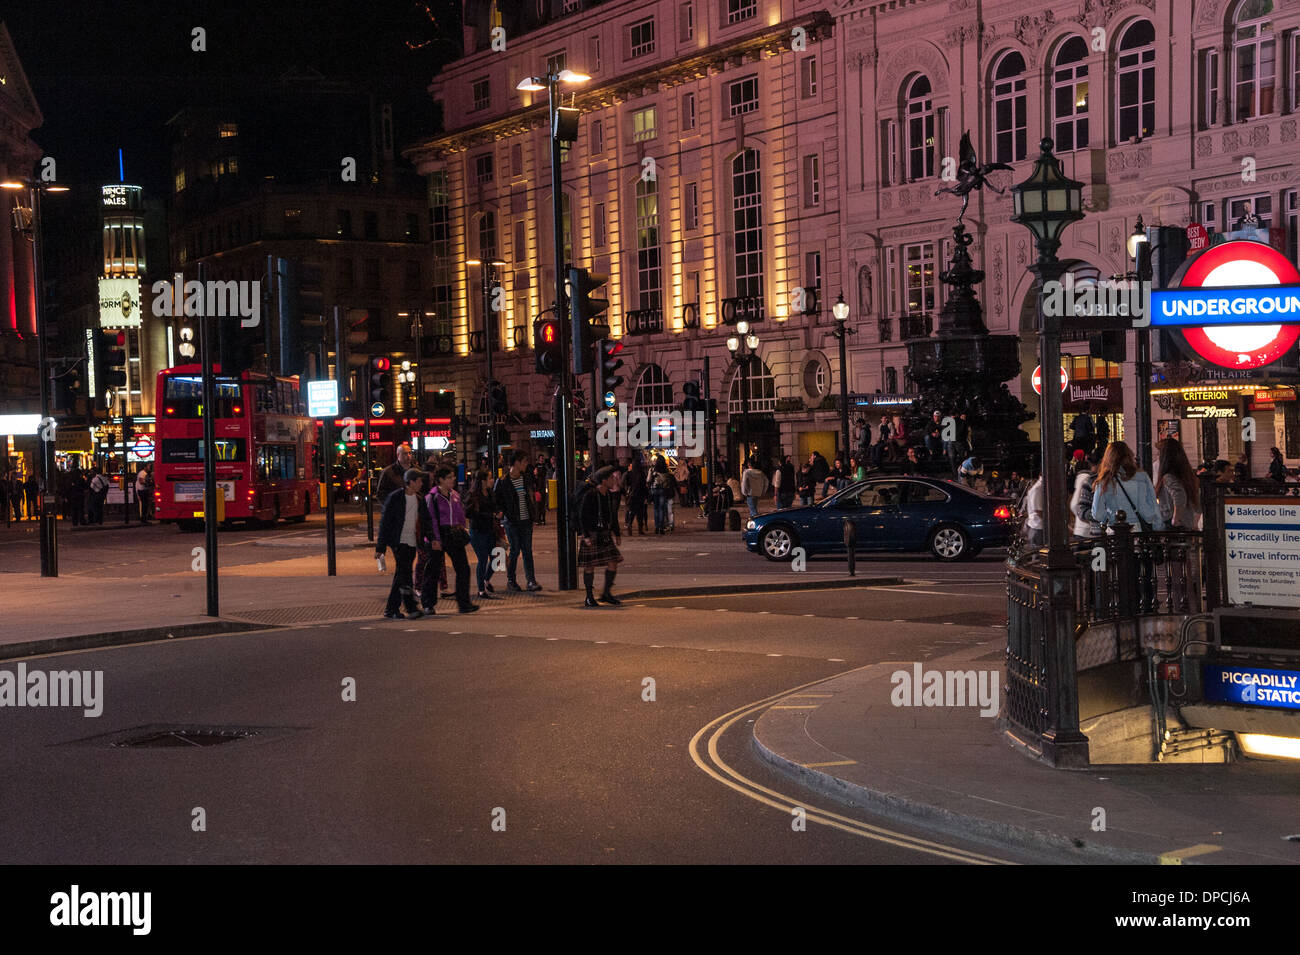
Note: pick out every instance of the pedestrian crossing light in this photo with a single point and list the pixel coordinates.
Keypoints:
(546, 346)
(691, 402)
(497, 398)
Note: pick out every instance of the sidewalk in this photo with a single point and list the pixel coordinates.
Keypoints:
(950, 769)
(78, 611)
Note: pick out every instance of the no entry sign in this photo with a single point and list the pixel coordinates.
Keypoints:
(1038, 379)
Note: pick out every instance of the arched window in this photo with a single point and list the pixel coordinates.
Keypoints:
(1253, 54)
(1070, 96)
(654, 392)
(649, 268)
(747, 222)
(758, 382)
(1009, 108)
(921, 144)
(1137, 82)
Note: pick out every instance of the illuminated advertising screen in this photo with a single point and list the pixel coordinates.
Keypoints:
(119, 303)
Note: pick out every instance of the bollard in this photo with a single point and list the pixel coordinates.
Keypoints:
(851, 546)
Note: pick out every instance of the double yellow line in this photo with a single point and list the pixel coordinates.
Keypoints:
(712, 763)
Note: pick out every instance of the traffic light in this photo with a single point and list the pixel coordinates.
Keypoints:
(110, 365)
(691, 402)
(609, 363)
(587, 329)
(546, 345)
(128, 431)
(379, 382)
(1109, 346)
(65, 386)
(497, 403)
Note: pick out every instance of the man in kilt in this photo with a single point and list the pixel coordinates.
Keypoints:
(597, 526)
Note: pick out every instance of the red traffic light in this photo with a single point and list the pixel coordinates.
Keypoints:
(121, 339)
(548, 332)
(380, 364)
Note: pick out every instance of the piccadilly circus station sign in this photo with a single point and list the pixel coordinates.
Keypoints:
(1236, 305)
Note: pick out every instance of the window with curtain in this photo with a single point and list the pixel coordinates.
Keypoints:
(649, 267)
(1010, 108)
(920, 126)
(1070, 96)
(1136, 89)
(1253, 59)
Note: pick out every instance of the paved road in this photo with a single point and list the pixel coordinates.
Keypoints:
(539, 712)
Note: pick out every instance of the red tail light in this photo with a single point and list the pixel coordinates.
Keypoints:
(1003, 512)
(237, 410)
(171, 410)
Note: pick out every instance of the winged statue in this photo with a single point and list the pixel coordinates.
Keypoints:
(971, 174)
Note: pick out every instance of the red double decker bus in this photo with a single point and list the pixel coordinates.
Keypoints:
(266, 447)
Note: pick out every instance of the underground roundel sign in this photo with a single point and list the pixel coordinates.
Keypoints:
(1248, 268)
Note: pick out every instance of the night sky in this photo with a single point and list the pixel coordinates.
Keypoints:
(111, 75)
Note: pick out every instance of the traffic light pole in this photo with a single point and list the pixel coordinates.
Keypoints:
(49, 474)
(488, 322)
(566, 553)
(712, 477)
(331, 569)
(370, 490)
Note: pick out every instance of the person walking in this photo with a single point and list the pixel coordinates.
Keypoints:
(784, 483)
(637, 494)
(1121, 485)
(144, 492)
(480, 508)
(1276, 467)
(392, 477)
(98, 493)
(661, 489)
(450, 536)
(753, 485)
(405, 528)
(597, 528)
(513, 496)
(75, 489)
(31, 490)
(1178, 492)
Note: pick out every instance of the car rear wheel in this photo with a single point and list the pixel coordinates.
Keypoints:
(777, 543)
(950, 543)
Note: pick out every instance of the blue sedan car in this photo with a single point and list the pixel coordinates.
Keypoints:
(912, 513)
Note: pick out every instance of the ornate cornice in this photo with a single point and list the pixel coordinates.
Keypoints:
(715, 59)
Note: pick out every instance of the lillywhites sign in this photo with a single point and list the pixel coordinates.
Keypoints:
(1262, 547)
(1249, 686)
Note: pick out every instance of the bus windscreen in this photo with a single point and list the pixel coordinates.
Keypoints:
(183, 397)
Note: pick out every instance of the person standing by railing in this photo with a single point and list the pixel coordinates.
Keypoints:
(1086, 526)
(1178, 492)
(1122, 486)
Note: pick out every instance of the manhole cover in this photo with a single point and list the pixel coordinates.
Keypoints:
(184, 737)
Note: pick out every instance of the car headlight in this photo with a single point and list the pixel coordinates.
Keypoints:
(750, 526)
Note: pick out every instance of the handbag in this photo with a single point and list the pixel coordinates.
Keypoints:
(451, 536)
(1156, 551)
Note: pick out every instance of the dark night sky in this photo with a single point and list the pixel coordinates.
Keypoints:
(111, 74)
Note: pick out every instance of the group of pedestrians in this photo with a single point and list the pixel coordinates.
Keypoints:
(82, 495)
(426, 523)
(18, 496)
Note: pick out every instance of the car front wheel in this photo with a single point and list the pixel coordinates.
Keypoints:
(950, 543)
(777, 543)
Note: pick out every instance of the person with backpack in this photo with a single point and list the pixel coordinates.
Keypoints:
(598, 536)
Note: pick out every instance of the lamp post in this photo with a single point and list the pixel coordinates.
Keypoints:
(488, 278)
(1139, 249)
(563, 126)
(841, 312)
(747, 340)
(1046, 203)
(28, 222)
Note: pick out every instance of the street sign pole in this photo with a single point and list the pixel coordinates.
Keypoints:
(370, 491)
(209, 454)
(331, 568)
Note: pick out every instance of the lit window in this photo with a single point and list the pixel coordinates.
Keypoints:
(921, 145)
(1070, 96)
(180, 180)
(228, 130)
(747, 223)
(643, 124)
(649, 265)
(918, 263)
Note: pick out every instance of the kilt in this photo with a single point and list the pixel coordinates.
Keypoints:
(600, 554)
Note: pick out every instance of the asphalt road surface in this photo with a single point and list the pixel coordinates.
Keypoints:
(532, 716)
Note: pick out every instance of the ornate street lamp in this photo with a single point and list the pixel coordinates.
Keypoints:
(747, 340)
(841, 312)
(1045, 204)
